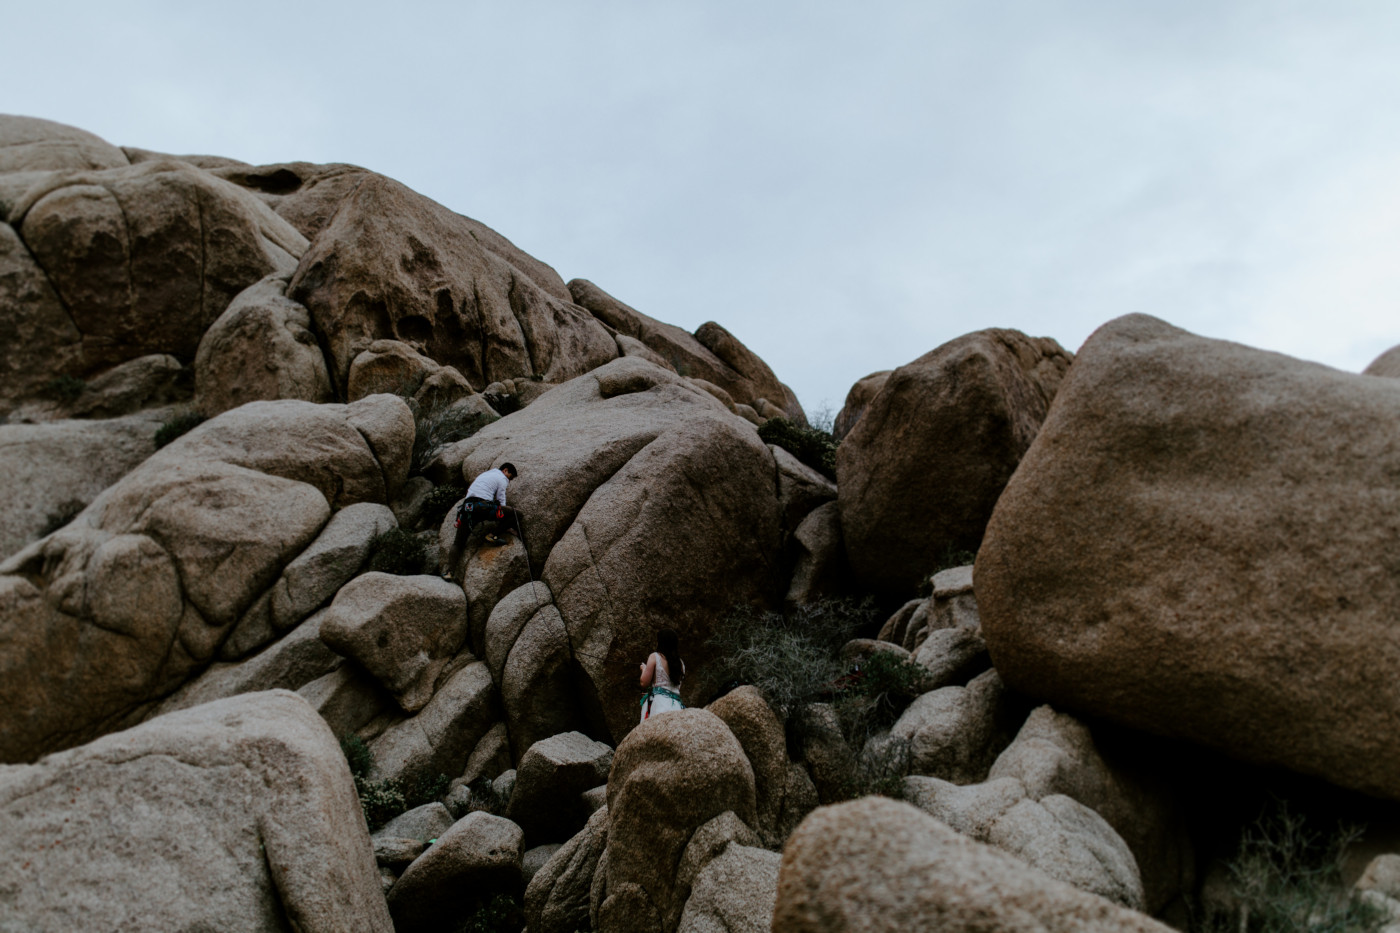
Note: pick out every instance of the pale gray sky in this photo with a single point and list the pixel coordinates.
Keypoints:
(843, 186)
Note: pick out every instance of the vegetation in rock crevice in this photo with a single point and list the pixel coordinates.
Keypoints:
(399, 552)
(178, 426)
(383, 800)
(814, 447)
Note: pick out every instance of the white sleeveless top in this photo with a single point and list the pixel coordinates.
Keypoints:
(662, 677)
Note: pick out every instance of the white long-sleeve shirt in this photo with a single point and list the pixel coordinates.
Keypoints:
(490, 485)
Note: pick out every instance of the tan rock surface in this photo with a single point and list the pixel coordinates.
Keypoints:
(39, 340)
(239, 814)
(1201, 544)
(556, 899)
(734, 893)
(1387, 364)
(857, 400)
(129, 253)
(138, 592)
(404, 630)
(478, 856)
(261, 347)
(875, 865)
(689, 766)
(393, 264)
(30, 144)
(761, 736)
(440, 737)
(921, 470)
(49, 472)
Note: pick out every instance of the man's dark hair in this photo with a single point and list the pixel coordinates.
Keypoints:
(504, 467)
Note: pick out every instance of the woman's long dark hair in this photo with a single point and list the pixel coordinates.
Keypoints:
(668, 645)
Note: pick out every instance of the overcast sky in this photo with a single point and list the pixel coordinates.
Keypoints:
(842, 186)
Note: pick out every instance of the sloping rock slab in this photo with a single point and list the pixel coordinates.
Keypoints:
(236, 815)
(1202, 543)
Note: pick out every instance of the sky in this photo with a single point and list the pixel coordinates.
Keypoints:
(842, 186)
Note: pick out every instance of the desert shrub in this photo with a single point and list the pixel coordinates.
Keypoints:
(791, 657)
(177, 427)
(813, 447)
(442, 426)
(65, 388)
(874, 694)
(823, 418)
(1286, 877)
(504, 403)
(381, 801)
(61, 516)
(398, 551)
(440, 500)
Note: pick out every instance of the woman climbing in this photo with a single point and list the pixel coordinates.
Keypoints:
(663, 690)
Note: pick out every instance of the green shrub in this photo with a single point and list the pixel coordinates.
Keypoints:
(440, 500)
(399, 552)
(1286, 877)
(792, 658)
(815, 448)
(444, 426)
(381, 801)
(177, 427)
(65, 388)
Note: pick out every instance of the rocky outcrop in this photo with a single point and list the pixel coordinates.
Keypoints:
(131, 254)
(1201, 544)
(1387, 364)
(557, 897)
(921, 470)
(664, 509)
(52, 471)
(135, 595)
(956, 733)
(478, 855)
(392, 264)
(260, 348)
(1056, 834)
(761, 736)
(711, 354)
(857, 400)
(120, 834)
(689, 766)
(552, 775)
(403, 630)
(439, 738)
(876, 865)
(29, 144)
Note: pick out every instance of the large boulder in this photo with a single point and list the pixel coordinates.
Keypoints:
(261, 347)
(664, 509)
(857, 400)
(1055, 753)
(139, 591)
(688, 766)
(480, 854)
(402, 629)
(29, 144)
(38, 338)
(956, 733)
(761, 736)
(549, 782)
(1387, 364)
(239, 814)
(393, 264)
(557, 897)
(1055, 834)
(711, 354)
(1201, 543)
(52, 471)
(920, 471)
(734, 893)
(146, 257)
(438, 739)
(875, 865)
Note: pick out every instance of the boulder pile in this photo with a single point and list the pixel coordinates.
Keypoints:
(1033, 661)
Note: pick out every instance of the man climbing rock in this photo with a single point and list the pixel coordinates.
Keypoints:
(485, 504)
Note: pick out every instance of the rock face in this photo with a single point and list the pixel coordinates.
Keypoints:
(403, 630)
(857, 400)
(137, 593)
(546, 802)
(120, 834)
(51, 471)
(711, 354)
(480, 854)
(393, 264)
(1387, 364)
(261, 347)
(665, 512)
(919, 473)
(1224, 509)
(877, 865)
(556, 900)
(144, 258)
(686, 765)
(29, 144)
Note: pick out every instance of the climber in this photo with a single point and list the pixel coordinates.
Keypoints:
(485, 503)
